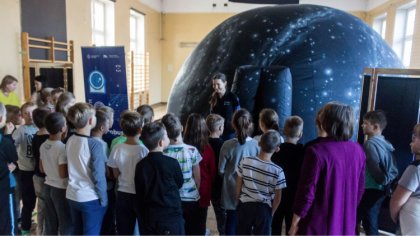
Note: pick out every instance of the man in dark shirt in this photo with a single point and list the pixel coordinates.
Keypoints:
(158, 179)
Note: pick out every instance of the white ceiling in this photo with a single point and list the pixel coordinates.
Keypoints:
(374, 3)
(206, 6)
(154, 4)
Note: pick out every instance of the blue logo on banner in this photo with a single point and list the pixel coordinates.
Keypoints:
(96, 82)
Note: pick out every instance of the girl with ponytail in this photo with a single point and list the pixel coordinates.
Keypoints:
(268, 120)
(196, 134)
(231, 153)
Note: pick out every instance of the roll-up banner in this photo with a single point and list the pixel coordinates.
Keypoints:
(106, 81)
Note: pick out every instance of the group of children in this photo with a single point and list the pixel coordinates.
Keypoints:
(159, 174)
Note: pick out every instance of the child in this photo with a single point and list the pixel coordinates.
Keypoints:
(258, 188)
(86, 190)
(380, 170)
(290, 159)
(123, 160)
(46, 99)
(321, 134)
(54, 165)
(196, 134)
(65, 101)
(215, 125)
(268, 119)
(405, 201)
(188, 158)
(108, 136)
(103, 125)
(146, 112)
(13, 119)
(8, 159)
(101, 128)
(39, 138)
(55, 94)
(23, 141)
(231, 153)
(157, 174)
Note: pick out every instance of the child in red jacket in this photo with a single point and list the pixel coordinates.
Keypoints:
(196, 134)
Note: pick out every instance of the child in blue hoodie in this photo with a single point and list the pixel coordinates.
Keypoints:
(381, 170)
(8, 159)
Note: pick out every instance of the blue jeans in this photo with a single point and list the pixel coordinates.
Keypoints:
(87, 217)
(230, 227)
(369, 209)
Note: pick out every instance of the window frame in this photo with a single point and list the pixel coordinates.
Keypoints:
(139, 39)
(402, 38)
(108, 32)
(380, 24)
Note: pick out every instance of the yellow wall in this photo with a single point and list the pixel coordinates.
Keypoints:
(79, 30)
(361, 14)
(10, 59)
(390, 8)
(152, 44)
(164, 33)
(188, 27)
(177, 28)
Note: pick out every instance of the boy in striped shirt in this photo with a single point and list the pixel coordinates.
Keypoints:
(258, 188)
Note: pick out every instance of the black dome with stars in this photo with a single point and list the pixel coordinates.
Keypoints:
(326, 50)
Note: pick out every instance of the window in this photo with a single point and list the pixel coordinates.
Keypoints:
(136, 32)
(138, 72)
(103, 22)
(403, 35)
(379, 25)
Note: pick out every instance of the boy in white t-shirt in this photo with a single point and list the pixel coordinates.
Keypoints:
(86, 162)
(54, 165)
(188, 158)
(258, 188)
(23, 141)
(123, 160)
